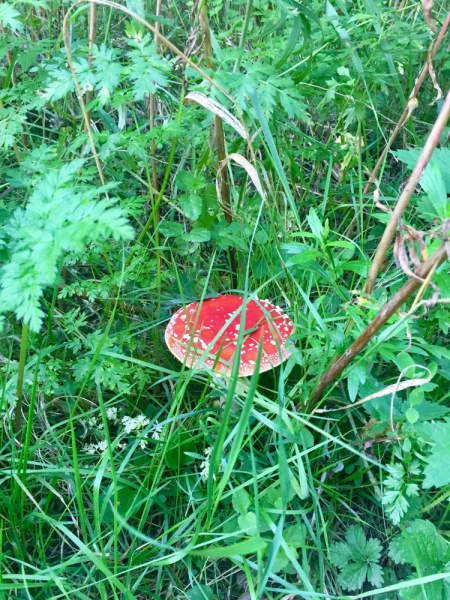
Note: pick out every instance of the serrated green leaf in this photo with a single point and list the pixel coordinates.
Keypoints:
(170, 229)
(199, 234)
(248, 523)
(241, 501)
(357, 559)
(8, 16)
(187, 182)
(200, 592)
(353, 575)
(437, 472)
(433, 184)
(294, 536)
(191, 205)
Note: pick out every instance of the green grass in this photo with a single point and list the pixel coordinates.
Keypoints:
(126, 475)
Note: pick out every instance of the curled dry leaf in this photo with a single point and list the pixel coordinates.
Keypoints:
(432, 72)
(217, 109)
(245, 164)
(427, 6)
(401, 257)
(412, 235)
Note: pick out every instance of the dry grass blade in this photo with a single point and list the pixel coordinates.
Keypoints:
(436, 86)
(387, 391)
(217, 109)
(400, 255)
(245, 164)
(427, 6)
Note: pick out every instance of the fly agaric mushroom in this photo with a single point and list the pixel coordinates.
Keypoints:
(196, 334)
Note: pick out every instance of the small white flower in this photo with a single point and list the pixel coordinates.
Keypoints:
(156, 435)
(204, 466)
(111, 413)
(135, 423)
(100, 447)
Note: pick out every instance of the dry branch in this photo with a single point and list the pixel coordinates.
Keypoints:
(407, 193)
(380, 320)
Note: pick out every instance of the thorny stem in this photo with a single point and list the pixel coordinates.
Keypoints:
(407, 193)
(220, 138)
(20, 375)
(379, 321)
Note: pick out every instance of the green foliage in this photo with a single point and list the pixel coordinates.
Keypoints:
(58, 218)
(399, 489)
(200, 592)
(422, 547)
(8, 18)
(357, 559)
(437, 471)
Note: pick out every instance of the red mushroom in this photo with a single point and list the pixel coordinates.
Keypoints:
(199, 334)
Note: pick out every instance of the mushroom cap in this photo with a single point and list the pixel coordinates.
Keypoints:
(188, 339)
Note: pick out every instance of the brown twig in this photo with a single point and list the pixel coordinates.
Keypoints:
(412, 102)
(407, 193)
(409, 109)
(379, 321)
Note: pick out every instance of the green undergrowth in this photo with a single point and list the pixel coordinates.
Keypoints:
(125, 475)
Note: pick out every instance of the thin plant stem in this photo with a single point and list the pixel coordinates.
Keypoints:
(248, 12)
(220, 137)
(20, 376)
(406, 115)
(108, 25)
(411, 105)
(155, 209)
(92, 33)
(150, 220)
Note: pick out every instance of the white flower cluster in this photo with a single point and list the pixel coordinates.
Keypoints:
(204, 466)
(100, 447)
(111, 414)
(92, 422)
(157, 430)
(135, 424)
